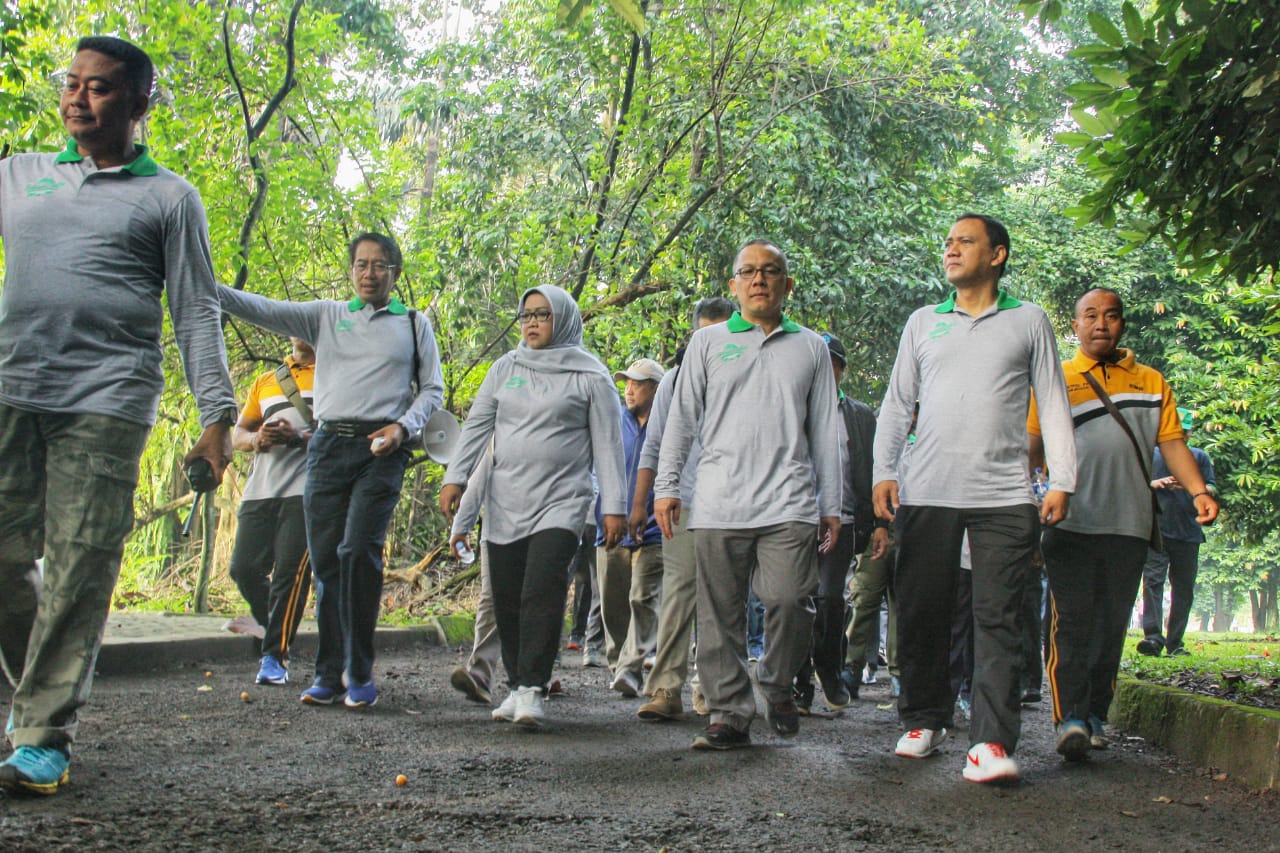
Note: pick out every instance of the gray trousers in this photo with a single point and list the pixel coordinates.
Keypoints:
(675, 618)
(630, 594)
(780, 562)
(486, 650)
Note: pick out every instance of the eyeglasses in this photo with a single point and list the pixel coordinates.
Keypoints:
(379, 267)
(540, 315)
(749, 273)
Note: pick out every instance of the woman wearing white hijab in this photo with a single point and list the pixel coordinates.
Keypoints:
(551, 409)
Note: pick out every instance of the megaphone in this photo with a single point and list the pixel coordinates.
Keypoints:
(440, 436)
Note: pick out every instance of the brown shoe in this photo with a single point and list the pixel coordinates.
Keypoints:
(665, 705)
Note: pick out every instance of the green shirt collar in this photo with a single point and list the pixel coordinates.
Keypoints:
(395, 306)
(1003, 301)
(737, 324)
(142, 165)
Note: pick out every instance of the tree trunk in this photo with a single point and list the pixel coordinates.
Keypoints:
(1221, 615)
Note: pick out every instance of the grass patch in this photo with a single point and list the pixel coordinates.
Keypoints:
(1242, 668)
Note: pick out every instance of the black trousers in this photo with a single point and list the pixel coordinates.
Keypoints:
(1092, 584)
(530, 580)
(1001, 540)
(829, 623)
(270, 566)
(1179, 562)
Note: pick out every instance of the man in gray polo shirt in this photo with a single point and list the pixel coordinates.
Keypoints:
(93, 237)
(971, 362)
(759, 394)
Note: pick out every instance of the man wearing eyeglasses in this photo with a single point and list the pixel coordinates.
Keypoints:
(759, 394)
(93, 236)
(378, 382)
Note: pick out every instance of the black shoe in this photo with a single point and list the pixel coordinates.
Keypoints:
(783, 717)
(834, 692)
(1178, 651)
(1151, 646)
(721, 736)
(852, 682)
(1030, 696)
(803, 696)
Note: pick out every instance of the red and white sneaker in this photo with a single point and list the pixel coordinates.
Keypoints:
(990, 764)
(920, 743)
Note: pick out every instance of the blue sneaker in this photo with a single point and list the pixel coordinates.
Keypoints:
(319, 694)
(35, 769)
(272, 671)
(1073, 740)
(361, 696)
(1097, 735)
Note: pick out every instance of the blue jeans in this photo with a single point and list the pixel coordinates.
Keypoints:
(349, 497)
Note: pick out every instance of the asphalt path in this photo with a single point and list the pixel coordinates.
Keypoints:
(176, 760)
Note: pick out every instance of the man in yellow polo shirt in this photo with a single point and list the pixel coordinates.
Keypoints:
(270, 564)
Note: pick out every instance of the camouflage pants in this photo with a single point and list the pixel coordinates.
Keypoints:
(66, 490)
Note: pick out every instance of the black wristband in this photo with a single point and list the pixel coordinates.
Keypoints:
(1198, 494)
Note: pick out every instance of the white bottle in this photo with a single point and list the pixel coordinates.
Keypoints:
(465, 555)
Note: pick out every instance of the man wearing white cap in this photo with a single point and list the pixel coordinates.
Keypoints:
(630, 575)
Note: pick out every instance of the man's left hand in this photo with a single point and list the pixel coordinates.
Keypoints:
(1054, 508)
(615, 527)
(214, 446)
(392, 436)
(828, 531)
(1206, 508)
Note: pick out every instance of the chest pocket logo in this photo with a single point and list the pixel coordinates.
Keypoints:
(731, 352)
(515, 382)
(344, 325)
(44, 187)
(941, 329)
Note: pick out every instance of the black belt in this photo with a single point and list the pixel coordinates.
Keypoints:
(352, 429)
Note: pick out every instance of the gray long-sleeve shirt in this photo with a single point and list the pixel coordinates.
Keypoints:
(973, 377)
(88, 254)
(548, 430)
(653, 439)
(364, 356)
(764, 409)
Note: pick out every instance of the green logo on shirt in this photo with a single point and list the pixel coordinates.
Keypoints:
(941, 329)
(44, 187)
(344, 325)
(516, 382)
(731, 352)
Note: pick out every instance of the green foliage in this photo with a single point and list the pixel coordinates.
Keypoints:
(1181, 123)
(628, 164)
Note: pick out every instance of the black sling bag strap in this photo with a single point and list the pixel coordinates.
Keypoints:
(413, 331)
(290, 388)
(1156, 538)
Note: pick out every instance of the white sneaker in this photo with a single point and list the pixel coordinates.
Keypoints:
(529, 712)
(506, 712)
(989, 763)
(920, 743)
(626, 683)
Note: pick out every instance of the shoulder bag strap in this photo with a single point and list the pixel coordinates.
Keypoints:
(289, 386)
(1157, 540)
(413, 331)
(1115, 413)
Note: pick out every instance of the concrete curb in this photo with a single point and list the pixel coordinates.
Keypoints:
(142, 655)
(1240, 741)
